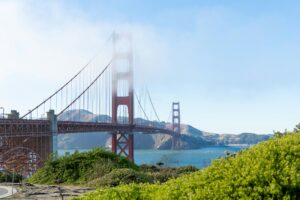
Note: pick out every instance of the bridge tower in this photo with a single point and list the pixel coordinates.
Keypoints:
(122, 94)
(176, 125)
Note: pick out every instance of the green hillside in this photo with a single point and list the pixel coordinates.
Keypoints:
(269, 170)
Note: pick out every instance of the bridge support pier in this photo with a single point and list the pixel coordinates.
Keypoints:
(54, 130)
(122, 144)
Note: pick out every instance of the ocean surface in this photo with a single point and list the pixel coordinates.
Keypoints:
(175, 158)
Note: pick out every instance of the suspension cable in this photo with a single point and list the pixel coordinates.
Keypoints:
(66, 84)
(152, 104)
(60, 89)
(86, 88)
(141, 106)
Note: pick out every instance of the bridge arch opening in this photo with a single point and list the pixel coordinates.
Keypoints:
(21, 160)
(122, 114)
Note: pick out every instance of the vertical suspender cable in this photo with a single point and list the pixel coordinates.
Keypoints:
(89, 86)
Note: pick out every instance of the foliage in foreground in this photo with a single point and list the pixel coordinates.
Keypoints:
(79, 168)
(10, 177)
(101, 168)
(269, 170)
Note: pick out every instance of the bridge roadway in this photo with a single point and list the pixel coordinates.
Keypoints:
(26, 144)
(15, 127)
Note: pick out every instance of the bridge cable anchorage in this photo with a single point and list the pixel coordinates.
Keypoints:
(106, 67)
(139, 102)
(68, 82)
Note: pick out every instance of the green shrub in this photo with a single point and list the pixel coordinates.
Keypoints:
(187, 169)
(9, 177)
(100, 168)
(79, 168)
(162, 174)
(148, 168)
(121, 176)
(269, 170)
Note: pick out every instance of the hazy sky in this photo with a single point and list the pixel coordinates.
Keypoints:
(233, 65)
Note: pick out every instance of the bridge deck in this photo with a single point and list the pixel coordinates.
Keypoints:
(26, 144)
(15, 127)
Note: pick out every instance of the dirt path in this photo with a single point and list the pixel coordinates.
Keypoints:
(6, 191)
(41, 192)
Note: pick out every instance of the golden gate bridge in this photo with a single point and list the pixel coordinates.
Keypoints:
(27, 141)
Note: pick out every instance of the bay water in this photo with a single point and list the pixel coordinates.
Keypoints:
(175, 158)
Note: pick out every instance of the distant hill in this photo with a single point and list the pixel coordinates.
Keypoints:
(191, 138)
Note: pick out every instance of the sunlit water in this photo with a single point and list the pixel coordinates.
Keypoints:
(198, 157)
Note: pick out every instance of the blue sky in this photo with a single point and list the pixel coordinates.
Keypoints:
(233, 65)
